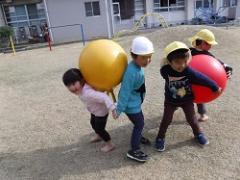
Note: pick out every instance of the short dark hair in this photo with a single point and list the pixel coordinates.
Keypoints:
(134, 56)
(178, 54)
(198, 42)
(71, 76)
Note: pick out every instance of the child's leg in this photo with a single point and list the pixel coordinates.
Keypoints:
(202, 111)
(100, 123)
(96, 138)
(188, 109)
(138, 121)
(191, 118)
(166, 120)
(135, 153)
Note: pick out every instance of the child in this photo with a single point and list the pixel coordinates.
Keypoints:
(201, 44)
(132, 92)
(178, 92)
(97, 103)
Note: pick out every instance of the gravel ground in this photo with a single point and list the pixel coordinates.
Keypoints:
(45, 130)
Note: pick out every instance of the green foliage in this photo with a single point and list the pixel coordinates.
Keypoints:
(6, 31)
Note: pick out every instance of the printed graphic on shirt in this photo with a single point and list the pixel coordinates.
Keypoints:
(179, 86)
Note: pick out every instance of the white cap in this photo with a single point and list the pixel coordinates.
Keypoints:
(142, 46)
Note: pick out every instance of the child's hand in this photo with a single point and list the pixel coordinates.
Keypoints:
(219, 90)
(228, 70)
(114, 114)
(229, 74)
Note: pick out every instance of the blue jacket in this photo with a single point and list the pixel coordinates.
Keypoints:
(132, 90)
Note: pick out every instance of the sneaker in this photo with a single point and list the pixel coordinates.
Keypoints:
(137, 155)
(145, 141)
(160, 145)
(201, 139)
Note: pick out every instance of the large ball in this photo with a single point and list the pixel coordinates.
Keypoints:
(214, 70)
(102, 63)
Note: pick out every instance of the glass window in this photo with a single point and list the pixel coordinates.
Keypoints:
(88, 9)
(92, 8)
(206, 4)
(32, 11)
(226, 3)
(165, 5)
(198, 4)
(233, 2)
(96, 8)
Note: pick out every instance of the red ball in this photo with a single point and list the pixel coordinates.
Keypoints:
(212, 68)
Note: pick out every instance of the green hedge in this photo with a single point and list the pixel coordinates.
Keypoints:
(6, 31)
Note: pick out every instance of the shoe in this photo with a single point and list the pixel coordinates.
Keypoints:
(201, 139)
(137, 155)
(160, 145)
(145, 141)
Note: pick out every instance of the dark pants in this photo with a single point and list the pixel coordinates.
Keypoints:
(138, 122)
(201, 109)
(169, 108)
(99, 124)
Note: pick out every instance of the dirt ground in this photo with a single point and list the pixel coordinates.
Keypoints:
(45, 130)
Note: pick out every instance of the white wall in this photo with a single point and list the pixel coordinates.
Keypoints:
(62, 12)
(173, 17)
(189, 8)
(238, 10)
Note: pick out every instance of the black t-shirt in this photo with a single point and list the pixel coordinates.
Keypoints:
(178, 85)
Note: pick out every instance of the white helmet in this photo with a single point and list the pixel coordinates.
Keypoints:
(142, 46)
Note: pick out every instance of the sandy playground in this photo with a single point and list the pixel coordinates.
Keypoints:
(45, 130)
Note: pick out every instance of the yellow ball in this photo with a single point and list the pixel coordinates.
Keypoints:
(102, 63)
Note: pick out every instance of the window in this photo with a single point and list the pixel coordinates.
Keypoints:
(226, 3)
(92, 8)
(233, 3)
(201, 4)
(206, 4)
(168, 5)
(229, 3)
(126, 8)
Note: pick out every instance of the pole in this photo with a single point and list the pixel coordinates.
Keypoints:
(49, 42)
(12, 45)
(113, 96)
(82, 33)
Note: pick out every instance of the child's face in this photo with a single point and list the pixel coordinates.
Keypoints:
(179, 64)
(143, 60)
(75, 88)
(205, 46)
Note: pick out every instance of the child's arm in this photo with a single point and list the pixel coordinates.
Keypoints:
(163, 71)
(227, 68)
(201, 79)
(125, 92)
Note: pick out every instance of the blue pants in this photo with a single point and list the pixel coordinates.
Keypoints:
(138, 122)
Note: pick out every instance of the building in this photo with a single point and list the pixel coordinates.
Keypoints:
(103, 18)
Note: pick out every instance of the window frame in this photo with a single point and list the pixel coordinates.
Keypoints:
(229, 3)
(170, 7)
(92, 10)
